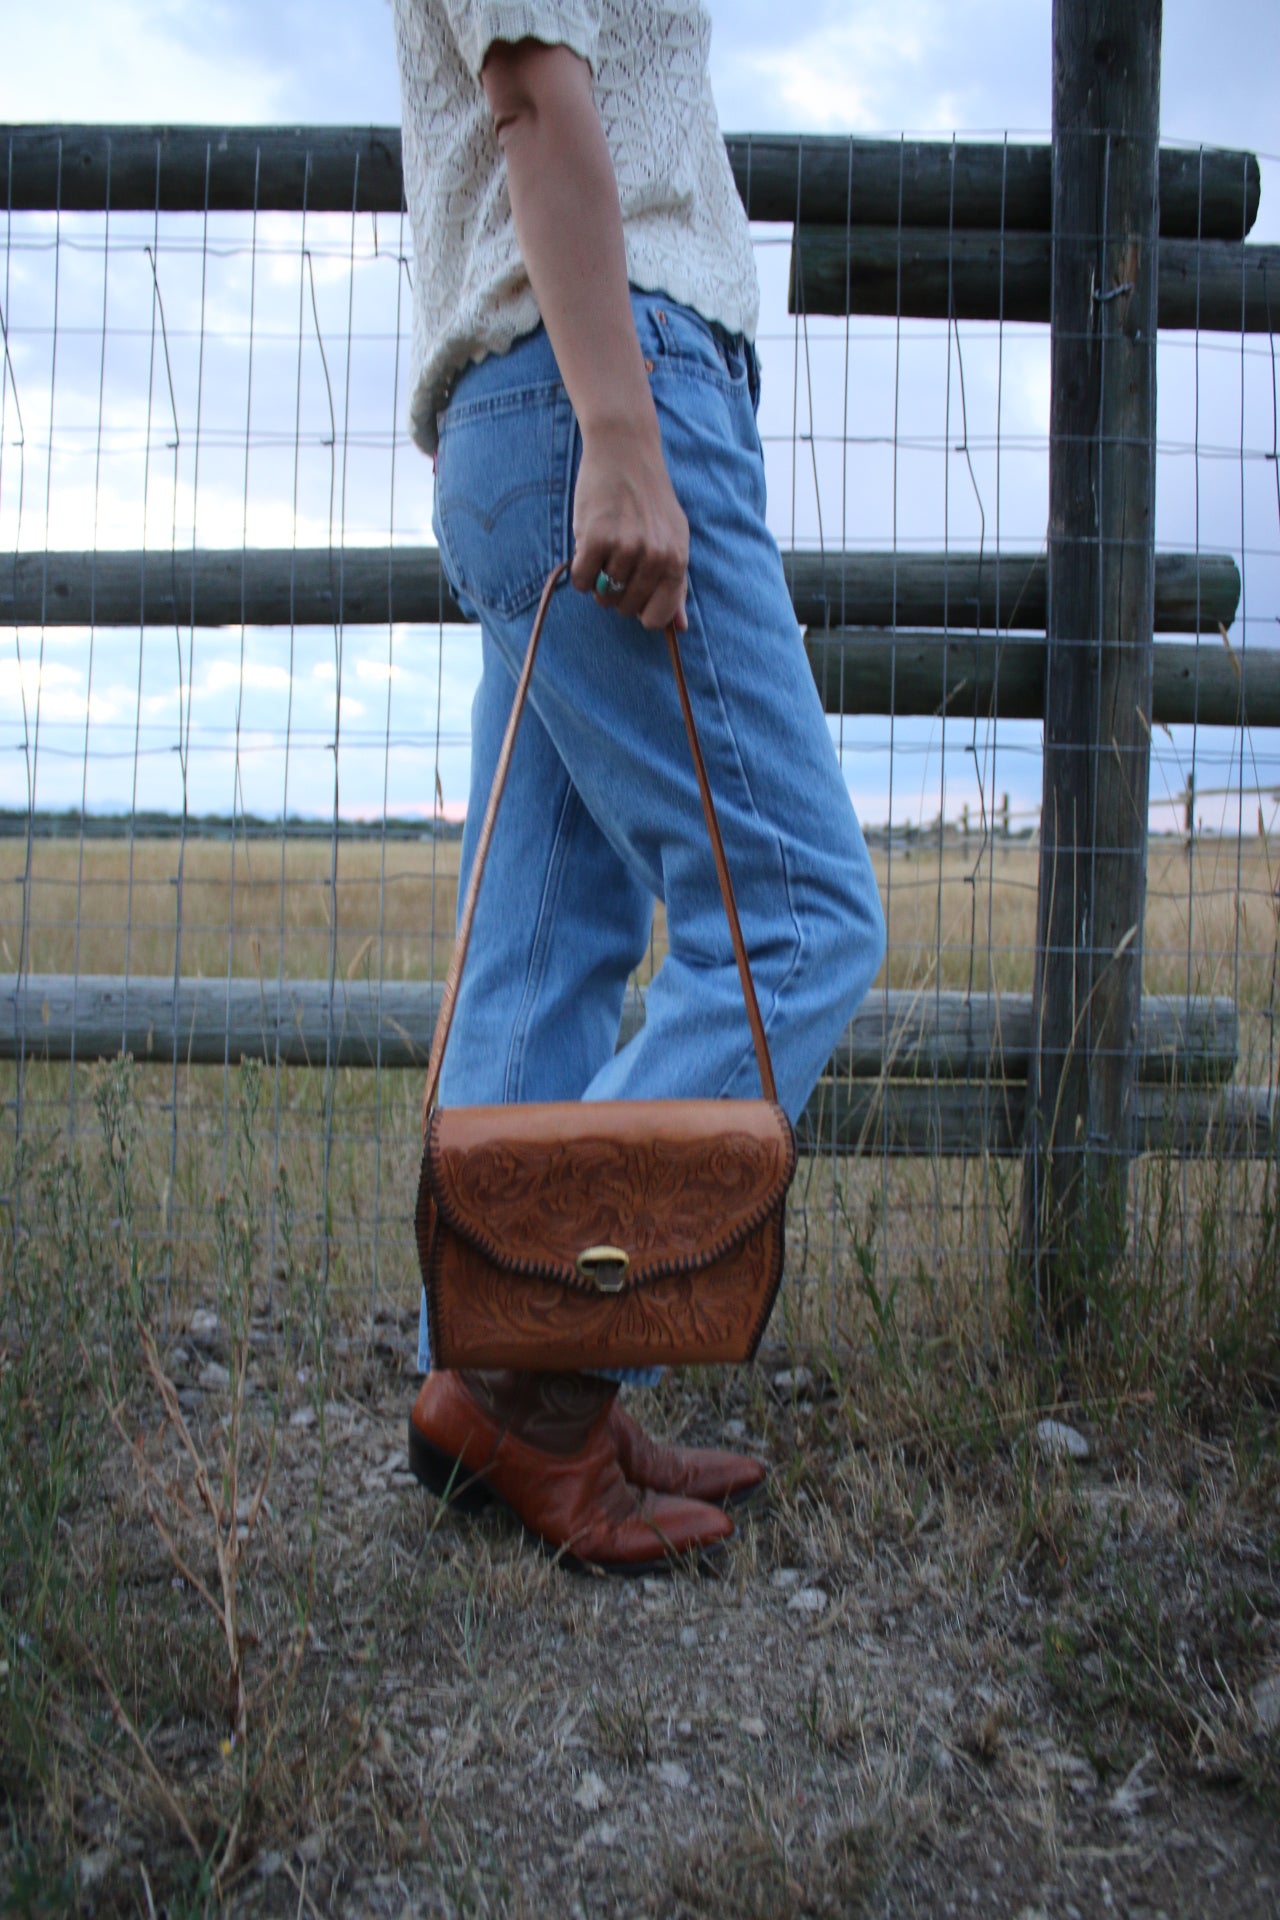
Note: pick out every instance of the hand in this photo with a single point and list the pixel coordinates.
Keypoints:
(628, 523)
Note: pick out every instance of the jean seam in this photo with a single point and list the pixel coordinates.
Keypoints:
(672, 358)
(768, 1018)
(521, 593)
(684, 369)
(516, 400)
(541, 944)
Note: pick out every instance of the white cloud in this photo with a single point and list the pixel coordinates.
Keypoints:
(155, 705)
(834, 77)
(859, 67)
(58, 59)
(256, 675)
(223, 63)
(58, 692)
(383, 670)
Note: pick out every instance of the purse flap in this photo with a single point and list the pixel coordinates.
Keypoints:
(606, 1195)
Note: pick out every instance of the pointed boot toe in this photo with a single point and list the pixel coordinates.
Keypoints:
(709, 1474)
(578, 1505)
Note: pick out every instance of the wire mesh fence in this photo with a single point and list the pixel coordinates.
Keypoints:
(234, 692)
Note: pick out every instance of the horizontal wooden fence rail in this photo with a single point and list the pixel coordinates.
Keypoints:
(364, 1023)
(980, 676)
(1204, 193)
(920, 274)
(968, 1120)
(270, 587)
(914, 1072)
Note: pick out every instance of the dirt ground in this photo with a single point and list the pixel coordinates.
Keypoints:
(932, 1676)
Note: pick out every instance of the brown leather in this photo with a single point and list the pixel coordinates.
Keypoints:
(699, 1473)
(554, 1411)
(444, 1019)
(686, 1198)
(577, 1504)
(692, 1191)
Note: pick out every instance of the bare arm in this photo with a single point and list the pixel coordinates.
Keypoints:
(627, 521)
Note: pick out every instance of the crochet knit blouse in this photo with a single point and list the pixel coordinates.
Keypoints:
(685, 231)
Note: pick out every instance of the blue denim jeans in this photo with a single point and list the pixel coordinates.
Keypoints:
(601, 814)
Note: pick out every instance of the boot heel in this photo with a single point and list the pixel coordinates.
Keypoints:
(446, 1477)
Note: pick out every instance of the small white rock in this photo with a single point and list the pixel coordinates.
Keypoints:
(673, 1775)
(735, 1429)
(268, 1864)
(754, 1728)
(591, 1793)
(93, 1867)
(603, 1834)
(1055, 1439)
(785, 1577)
(214, 1377)
(1266, 1703)
(311, 1850)
(203, 1324)
(807, 1600)
(303, 1417)
(793, 1380)
(1129, 1795)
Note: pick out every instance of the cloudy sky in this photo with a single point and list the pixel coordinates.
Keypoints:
(123, 423)
(832, 65)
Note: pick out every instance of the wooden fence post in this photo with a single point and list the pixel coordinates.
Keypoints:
(1092, 879)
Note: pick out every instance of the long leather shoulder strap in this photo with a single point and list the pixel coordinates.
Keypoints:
(449, 997)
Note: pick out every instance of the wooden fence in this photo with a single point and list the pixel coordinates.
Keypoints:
(914, 1073)
(933, 229)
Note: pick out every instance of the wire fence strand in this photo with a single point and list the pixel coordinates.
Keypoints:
(274, 803)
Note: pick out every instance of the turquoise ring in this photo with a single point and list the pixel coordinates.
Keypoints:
(607, 587)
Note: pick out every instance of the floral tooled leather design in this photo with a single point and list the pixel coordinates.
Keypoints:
(693, 1192)
(486, 1318)
(669, 1184)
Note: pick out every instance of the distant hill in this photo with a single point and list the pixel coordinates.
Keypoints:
(71, 825)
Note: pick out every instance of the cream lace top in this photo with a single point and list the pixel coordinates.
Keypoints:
(685, 230)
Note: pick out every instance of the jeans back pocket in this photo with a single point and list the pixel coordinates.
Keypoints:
(503, 481)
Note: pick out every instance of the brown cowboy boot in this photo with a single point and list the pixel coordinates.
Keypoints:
(698, 1473)
(541, 1445)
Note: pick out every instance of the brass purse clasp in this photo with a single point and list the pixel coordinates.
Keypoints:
(604, 1267)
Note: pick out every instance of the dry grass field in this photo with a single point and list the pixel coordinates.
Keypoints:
(247, 1666)
(960, 915)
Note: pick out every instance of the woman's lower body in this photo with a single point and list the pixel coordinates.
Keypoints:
(601, 814)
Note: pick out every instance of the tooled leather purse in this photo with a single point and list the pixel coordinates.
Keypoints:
(623, 1233)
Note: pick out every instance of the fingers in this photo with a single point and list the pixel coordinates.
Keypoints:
(640, 585)
(631, 538)
(665, 603)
